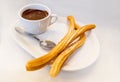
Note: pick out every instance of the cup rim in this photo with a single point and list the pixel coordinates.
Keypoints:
(20, 11)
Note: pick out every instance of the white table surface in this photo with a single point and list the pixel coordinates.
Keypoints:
(104, 13)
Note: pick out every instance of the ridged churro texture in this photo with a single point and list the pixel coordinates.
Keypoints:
(74, 39)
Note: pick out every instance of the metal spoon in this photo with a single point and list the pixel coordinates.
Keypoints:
(46, 45)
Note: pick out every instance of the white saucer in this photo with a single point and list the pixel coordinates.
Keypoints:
(81, 58)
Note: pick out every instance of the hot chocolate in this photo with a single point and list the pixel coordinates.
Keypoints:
(34, 14)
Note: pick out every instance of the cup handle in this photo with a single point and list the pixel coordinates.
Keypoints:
(53, 19)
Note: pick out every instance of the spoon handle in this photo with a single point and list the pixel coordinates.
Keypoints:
(36, 38)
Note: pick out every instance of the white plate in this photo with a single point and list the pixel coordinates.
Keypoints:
(81, 58)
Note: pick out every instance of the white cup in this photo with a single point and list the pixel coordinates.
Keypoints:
(36, 26)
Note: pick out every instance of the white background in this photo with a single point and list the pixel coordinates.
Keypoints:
(104, 13)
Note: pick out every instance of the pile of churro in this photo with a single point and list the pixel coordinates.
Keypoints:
(73, 40)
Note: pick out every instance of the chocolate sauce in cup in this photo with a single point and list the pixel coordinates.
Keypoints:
(35, 18)
(34, 14)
